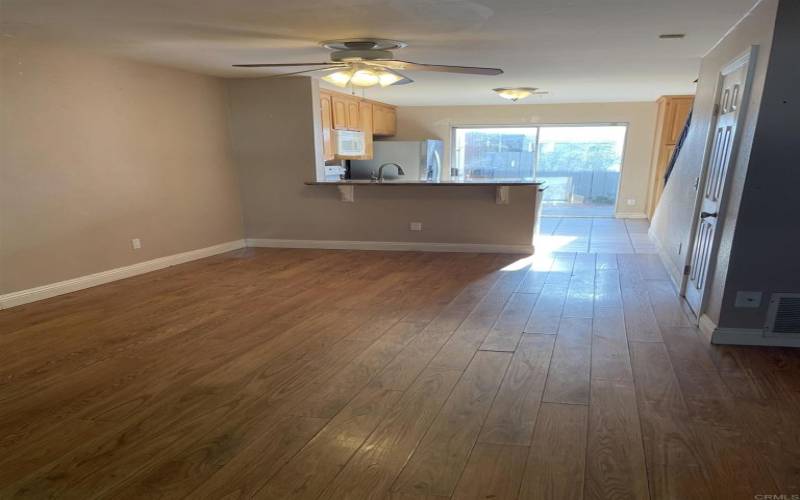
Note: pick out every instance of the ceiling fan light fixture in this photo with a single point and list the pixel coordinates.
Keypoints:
(365, 62)
(386, 78)
(340, 78)
(514, 93)
(364, 77)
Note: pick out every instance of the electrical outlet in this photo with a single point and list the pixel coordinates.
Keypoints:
(415, 226)
(136, 243)
(747, 300)
(631, 201)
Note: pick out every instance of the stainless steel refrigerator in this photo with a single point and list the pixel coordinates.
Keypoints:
(420, 160)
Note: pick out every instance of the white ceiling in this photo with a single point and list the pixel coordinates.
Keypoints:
(578, 50)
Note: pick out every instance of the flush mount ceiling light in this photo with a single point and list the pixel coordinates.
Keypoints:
(516, 93)
(359, 75)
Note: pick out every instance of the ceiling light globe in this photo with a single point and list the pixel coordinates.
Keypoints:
(386, 78)
(364, 78)
(339, 78)
(516, 93)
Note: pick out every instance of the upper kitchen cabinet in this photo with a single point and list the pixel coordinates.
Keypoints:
(366, 110)
(326, 110)
(384, 120)
(346, 113)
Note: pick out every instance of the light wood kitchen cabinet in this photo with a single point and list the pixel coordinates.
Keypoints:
(672, 113)
(384, 119)
(326, 110)
(354, 115)
(339, 110)
(346, 113)
(365, 112)
(679, 110)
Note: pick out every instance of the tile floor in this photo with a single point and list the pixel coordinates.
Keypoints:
(577, 210)
(593, 235)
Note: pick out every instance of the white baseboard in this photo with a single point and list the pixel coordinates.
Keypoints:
(706, 325)
(630, 215)
(744, 336)
(390, 245)
(53, 289)
(675, 275)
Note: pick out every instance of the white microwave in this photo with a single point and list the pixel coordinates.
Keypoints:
(348, 143)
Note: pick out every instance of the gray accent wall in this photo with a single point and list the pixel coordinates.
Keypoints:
(765, 251)
(673, 222)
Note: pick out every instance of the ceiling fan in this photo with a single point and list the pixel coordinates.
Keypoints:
(364, 62)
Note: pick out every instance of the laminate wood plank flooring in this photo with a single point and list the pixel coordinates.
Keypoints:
(281, 373)
(556, 460)
(493, 471)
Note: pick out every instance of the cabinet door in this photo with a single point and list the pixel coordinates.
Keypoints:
(365, 110)
(384, 120)
(391, 121)
(353, 115)
(680, 111)
(339, 104)
(326, 110)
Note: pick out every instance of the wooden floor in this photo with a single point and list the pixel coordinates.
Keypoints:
(325, 374)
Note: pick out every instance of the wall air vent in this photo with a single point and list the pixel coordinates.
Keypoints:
(783, 316)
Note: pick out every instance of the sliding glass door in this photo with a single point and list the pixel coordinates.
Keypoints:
(581, 164)
(482, 154)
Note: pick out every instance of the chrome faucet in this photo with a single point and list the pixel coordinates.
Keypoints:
(380, 170)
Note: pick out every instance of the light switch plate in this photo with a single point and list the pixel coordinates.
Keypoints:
(136, 243)
(748, 300)
(415, 226)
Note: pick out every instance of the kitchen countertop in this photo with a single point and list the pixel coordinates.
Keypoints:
(398, 182)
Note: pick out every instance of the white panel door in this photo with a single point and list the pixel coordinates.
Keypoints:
(732, 93)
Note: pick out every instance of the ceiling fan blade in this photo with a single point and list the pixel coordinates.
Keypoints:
(410, 66)
(405, 81)
(279, 65)
(304, 71)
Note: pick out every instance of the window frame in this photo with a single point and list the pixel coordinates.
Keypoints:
(455, 126)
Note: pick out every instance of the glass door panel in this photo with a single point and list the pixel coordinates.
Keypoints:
(581, 165)
(496, 153)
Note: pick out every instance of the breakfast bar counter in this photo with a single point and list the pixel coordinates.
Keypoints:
(347, 186)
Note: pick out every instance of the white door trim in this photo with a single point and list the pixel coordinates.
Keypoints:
(749, 58)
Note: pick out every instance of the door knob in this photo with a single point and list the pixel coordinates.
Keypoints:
(703, 215)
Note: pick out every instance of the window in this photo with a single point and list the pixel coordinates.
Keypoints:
(580, 163)
(495, 153)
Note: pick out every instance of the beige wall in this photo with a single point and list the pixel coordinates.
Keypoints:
(274, 124)
(673, 220)
(95, 151)
(435, 122)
